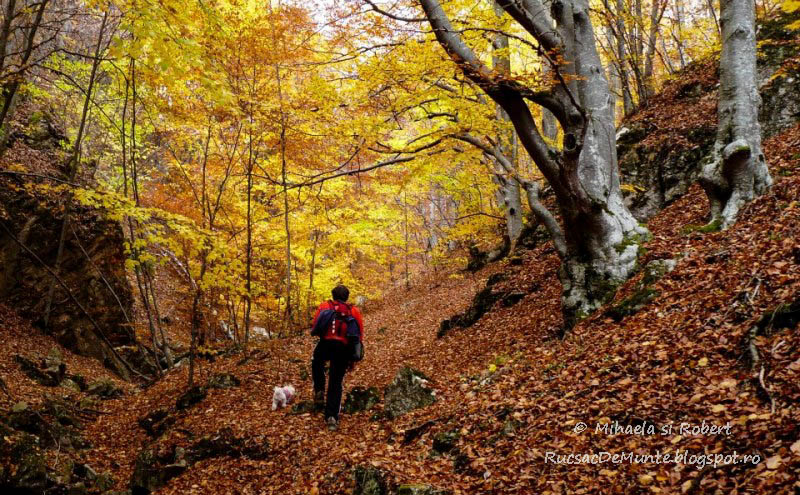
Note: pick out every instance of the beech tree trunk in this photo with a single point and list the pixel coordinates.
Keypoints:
(602, 237)
(508, 193)
(736, 171)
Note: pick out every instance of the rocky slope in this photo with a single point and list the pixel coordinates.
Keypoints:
(32, 207)
(661, 148)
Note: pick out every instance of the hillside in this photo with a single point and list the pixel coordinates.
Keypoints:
(511, 389)
(470, 384)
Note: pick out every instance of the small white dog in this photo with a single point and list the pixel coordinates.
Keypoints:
(282, 396)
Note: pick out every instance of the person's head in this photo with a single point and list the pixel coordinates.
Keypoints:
(340, 293)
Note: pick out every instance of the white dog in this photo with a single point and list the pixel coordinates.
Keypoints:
(282, 396)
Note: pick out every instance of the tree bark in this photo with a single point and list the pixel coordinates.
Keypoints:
(622, 60)
(656, 13)
(286, 228)
(508, 193)
(249, 261)
(736, 171)
(602, 237)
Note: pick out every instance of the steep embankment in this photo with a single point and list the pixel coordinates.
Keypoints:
(90, 258)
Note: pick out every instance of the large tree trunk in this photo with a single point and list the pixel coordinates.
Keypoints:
(508, 193)
(737, 170)
(602, 237)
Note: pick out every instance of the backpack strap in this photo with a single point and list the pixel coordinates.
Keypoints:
(336, 305)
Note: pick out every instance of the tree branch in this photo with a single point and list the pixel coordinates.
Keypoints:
(393, 16)
(531, 191)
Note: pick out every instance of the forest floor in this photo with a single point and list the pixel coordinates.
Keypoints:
(508, 385)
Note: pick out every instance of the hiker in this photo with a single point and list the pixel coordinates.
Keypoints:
(341, 330)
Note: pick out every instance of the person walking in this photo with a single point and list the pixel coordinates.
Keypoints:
(331, 322)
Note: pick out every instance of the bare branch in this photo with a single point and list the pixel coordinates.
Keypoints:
(393, 16)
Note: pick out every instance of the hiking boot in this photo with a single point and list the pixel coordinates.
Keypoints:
(332, 423)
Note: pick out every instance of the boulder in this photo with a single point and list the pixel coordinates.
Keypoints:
(55, 424)
(156, 422)
(408, 391)
(153, 470)
(41, 133)
(91, 480)
(512, 298)
(481, 303)
(496, 278)
(23, 468)
(370, 480)
(420, 489)
(644, 292)
(43, 375)
(361, 399)
(191, 397)
(306, 407)
(780, 103)
(150, 473)
(444, 442)
(223, 380)
(104, 388)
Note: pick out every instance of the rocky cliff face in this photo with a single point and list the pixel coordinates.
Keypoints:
(661, 147)
(92, 263)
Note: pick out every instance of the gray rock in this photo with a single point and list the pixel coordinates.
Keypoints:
(481, 303)
(34, 216)
(47, 376)
(656, 269)
(370, 481)
(54, 358)
(420, 489)
(152, 471)
(149, 474)
(191, 397)
(156, 422)
(223, 380)
(104, 482)
(306, 407)
(644, 291)
(70, 384)
(104, 388)
(408, 391)
(29, 474)
(444, 442)
(360, 399)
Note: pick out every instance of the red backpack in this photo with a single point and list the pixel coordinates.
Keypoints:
(342, 315)
(338, 323)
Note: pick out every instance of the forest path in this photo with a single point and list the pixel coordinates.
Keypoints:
(401, 331)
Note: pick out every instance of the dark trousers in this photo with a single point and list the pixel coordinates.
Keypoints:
(336, 353)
